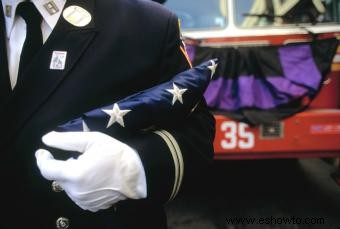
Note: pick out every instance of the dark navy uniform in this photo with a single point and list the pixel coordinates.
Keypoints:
(128, 46)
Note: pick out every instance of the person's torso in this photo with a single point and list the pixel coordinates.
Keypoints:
(116, 54)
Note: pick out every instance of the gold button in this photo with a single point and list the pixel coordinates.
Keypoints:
(62, 223)
(56, 187)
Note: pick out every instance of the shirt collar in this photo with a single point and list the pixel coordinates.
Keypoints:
(11, 6)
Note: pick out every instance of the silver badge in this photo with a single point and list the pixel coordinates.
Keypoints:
(51, 7)
(8, 10)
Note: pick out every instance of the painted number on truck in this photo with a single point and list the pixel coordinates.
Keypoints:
(236, 136)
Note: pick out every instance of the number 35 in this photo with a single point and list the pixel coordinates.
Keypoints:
(236, 136)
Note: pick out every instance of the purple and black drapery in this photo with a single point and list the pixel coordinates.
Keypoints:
(265, 84)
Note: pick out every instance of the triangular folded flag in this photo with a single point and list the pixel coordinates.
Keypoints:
(169, 101)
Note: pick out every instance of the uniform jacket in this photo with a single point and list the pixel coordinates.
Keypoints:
(128, 46)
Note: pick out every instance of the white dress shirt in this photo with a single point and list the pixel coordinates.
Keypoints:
(16, 30)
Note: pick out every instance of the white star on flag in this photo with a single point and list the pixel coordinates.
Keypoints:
(116, 115)
(188, 85)
(85, 127)
(177, 93)
(212, 68)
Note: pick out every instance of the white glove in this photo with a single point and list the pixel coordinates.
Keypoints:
(106, 172)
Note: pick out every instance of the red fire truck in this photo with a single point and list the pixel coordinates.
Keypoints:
(313, 132)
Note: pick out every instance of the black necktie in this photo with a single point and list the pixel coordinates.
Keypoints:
(33, 41)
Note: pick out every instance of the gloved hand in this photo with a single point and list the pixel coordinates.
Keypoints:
(106, 172)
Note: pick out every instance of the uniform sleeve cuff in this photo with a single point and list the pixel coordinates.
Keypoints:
(163, 164)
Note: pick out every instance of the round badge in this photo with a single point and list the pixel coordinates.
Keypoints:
(77, 16)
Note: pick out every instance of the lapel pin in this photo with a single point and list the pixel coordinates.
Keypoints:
(8, 11)
(77, 16)
(58, 60)
(51, 7)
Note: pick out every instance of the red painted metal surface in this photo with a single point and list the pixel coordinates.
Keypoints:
(329, 95)
(313, 133)
(272, 39)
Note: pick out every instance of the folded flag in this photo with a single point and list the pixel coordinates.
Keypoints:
(171, 100)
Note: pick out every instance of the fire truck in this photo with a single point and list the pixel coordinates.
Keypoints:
(311, 132)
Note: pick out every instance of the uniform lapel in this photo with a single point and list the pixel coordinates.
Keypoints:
(41, 81)
(5, 86)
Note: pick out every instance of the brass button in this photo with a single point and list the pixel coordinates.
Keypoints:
(62, 223)
(56, 187)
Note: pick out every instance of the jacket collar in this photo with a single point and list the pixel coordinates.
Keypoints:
(65, 23)
(9, 9)
(41, 80)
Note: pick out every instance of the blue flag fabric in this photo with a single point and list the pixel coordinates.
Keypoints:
(171, 100)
